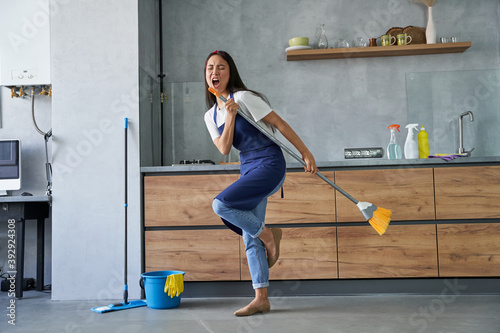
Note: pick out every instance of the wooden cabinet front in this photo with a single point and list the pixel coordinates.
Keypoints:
(346, 252)
(183, 200)
(205, 255)
(467, 192)
(403, 251)
(306, 199)
(305, 253)
(408, 193)
(469, 249)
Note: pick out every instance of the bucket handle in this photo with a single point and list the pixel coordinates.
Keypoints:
(141, 283)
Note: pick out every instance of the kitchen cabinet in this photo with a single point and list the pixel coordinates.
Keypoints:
(305, 253)
(467, 192)
(408, 193)
(324, 234)
(469, 249)
(306, 199)
(403, 251)
(380, 51)
(205, 255)
(183, 200)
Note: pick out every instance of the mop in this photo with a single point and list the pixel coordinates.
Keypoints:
(125, 304)
(378, 217)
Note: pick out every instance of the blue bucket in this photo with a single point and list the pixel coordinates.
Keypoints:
(154, 287)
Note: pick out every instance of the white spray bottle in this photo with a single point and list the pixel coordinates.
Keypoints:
(411, 147)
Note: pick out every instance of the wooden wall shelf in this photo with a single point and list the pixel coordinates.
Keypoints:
(379, 51)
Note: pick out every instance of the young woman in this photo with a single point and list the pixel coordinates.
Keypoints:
(242, 205)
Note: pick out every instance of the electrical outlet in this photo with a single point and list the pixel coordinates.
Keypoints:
(377, 152)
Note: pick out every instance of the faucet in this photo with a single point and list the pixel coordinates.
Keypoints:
(461, 149)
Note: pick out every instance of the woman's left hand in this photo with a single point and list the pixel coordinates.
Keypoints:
(310, 163)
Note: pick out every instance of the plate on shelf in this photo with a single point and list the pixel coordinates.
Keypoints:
(300, 47)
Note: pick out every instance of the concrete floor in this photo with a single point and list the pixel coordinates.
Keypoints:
(375, 314)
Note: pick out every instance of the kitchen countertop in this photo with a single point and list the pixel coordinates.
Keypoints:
(361, 163)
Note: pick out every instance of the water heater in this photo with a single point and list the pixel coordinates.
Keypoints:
(24, 43)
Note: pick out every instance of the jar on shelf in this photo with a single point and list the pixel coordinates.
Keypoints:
(360, 42)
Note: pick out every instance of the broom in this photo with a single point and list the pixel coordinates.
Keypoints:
(378, 217)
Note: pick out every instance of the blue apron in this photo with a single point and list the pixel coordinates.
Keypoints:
(262, 167)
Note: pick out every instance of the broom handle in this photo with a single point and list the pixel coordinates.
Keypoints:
(289, 151)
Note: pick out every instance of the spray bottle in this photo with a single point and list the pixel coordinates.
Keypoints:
(393, 149)
(423, 143)
(411, 148)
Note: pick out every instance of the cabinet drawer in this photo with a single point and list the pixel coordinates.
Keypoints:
(205, 255)
(403, 251)
(305, 253)
(306, 199)
(467, 192)
(408, 193)
(469, 249)
(183, 200)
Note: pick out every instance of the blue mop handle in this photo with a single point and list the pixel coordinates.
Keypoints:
(289, 151)
(125, 285)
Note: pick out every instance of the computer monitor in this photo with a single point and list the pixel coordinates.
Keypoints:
(10, 165)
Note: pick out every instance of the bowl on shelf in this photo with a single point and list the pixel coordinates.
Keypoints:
(299, 41)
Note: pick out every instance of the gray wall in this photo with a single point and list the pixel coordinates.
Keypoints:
(95, 79)
(149, 68)
(332, 104)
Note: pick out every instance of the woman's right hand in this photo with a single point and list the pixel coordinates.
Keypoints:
(225, 141)
(231, 107)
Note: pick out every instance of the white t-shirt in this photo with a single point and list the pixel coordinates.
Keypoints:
(251, 104)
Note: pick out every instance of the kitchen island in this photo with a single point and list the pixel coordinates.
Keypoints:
(445, 224)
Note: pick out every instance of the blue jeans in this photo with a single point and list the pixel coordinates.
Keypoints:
(251, 223)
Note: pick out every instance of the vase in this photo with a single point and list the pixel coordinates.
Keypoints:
(343, 44)
(430, 32)
(321, 41)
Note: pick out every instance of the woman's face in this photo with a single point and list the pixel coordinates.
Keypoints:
(217, 74)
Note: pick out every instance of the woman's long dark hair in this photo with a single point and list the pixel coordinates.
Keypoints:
(234, 84)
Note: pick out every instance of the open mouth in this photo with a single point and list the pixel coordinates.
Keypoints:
(215, 83)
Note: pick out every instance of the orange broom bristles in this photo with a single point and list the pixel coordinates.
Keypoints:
(380, 220)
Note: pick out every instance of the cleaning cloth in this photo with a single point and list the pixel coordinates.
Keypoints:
(174, 285)
(447, 157)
